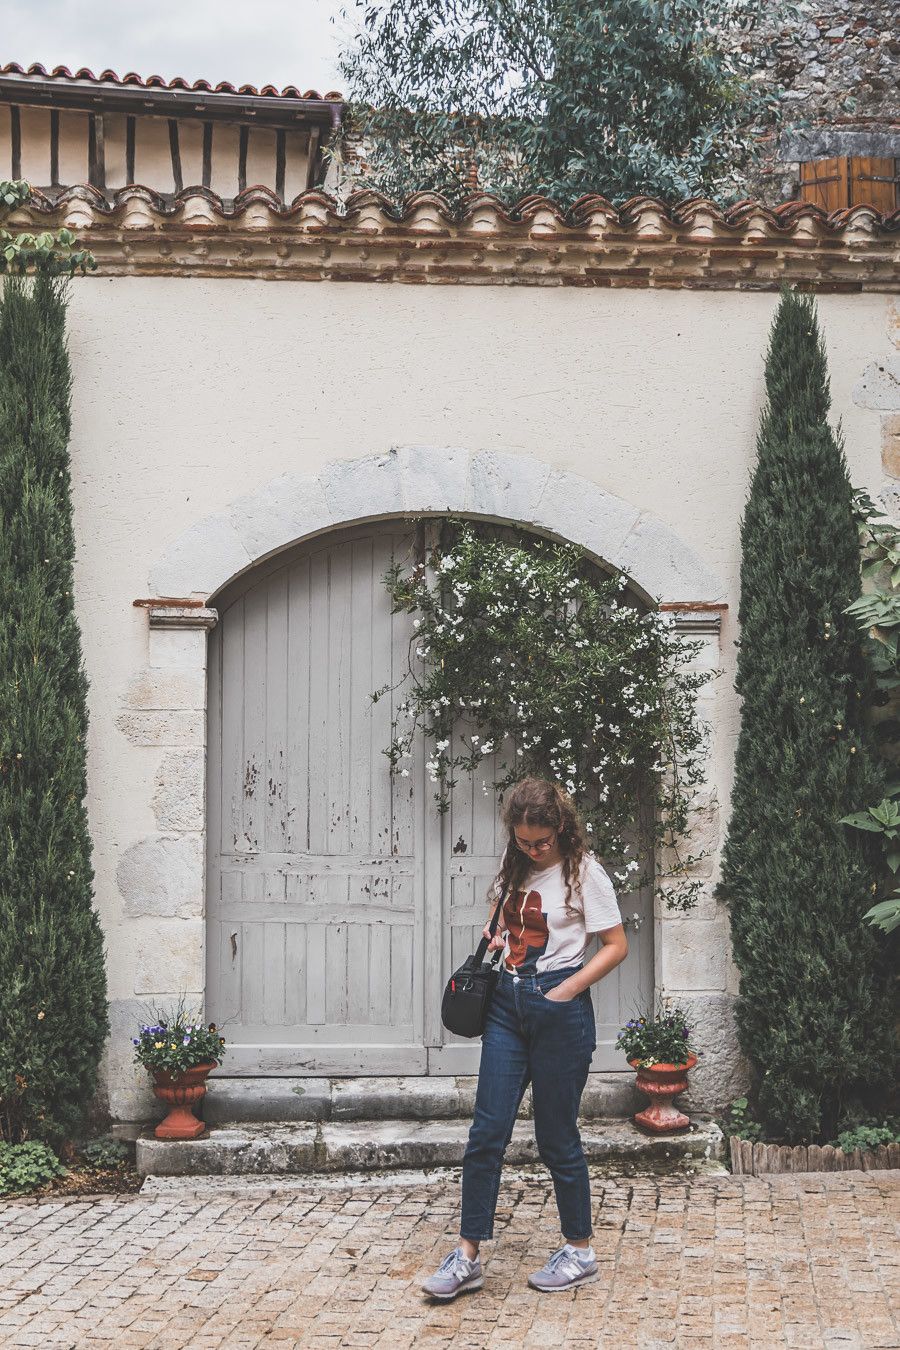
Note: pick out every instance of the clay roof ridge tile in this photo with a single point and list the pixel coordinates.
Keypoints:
(782, 218)
(631, 210)
(478, 201)
(581, 211)
(368, 197)
(255, 192)
(426, 197)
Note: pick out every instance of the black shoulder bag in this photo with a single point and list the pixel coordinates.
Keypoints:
(469, 990)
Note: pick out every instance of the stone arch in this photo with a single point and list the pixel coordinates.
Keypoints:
(493, 485)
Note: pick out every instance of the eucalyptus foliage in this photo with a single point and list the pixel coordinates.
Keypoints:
(561, 97)
(50, 251)
(527, 659)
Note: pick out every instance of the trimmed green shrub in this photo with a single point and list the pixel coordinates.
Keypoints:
(53, 1009)
(814, 1014)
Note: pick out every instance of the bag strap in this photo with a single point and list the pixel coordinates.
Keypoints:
(481, 949)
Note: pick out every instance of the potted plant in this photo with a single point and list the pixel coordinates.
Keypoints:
(179, 1052)
(660, 1049)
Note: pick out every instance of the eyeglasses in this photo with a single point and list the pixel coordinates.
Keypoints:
(537, 846)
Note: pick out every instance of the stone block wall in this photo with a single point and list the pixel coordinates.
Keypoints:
(836, 71)
(694, 968)
(161, 877)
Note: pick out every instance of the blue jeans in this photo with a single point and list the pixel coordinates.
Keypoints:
(530, 1039)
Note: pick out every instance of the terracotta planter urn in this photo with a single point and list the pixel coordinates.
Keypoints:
(181, 1092)
(662, 1082)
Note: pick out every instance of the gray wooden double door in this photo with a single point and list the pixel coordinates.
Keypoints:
(338, 899)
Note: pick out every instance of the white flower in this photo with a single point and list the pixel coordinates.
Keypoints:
(441, 745)
(487, 747)
(404, 773)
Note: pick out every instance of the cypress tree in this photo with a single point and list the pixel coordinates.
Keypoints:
(814, 1014)
(53, 1009)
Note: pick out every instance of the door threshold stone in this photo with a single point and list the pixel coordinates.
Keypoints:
(376, 1145)
(266, 1100)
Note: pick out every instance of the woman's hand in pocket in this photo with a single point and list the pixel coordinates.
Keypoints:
(558, 994)
(495, 943)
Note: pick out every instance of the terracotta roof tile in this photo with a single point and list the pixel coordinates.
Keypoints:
(157, 82)
(632, 217)
(643, 243)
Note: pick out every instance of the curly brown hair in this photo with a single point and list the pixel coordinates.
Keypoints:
(537, 801)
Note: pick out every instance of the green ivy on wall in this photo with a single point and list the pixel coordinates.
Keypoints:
(50, 252)
(527, 657)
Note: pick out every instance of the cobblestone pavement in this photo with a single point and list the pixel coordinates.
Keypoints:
(717, 1261)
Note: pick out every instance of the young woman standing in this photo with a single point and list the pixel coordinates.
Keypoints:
(540, 1030)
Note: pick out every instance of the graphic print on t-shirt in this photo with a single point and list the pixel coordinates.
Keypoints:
(526, 930)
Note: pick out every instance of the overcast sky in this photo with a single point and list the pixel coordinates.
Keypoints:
(261, 42)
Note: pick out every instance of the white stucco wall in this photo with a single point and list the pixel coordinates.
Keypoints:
(191, 393)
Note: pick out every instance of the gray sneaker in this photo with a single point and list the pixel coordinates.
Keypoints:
(455, 1275)
(564, 1270)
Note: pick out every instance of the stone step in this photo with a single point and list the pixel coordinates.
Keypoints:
(232, 1101)
(373, 1145)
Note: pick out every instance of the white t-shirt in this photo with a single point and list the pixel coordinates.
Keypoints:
(539, 931)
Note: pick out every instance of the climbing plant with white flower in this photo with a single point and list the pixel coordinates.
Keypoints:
(525, 654)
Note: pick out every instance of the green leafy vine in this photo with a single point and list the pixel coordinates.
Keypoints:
(51, 251)
(527, 659)
(877, 612)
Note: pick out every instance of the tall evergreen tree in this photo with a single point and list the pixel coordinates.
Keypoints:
(53, 1010)
(814, 1015)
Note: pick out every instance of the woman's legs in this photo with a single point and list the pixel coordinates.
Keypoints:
(556, 1096)
(563, 1040)
(503, 1076)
